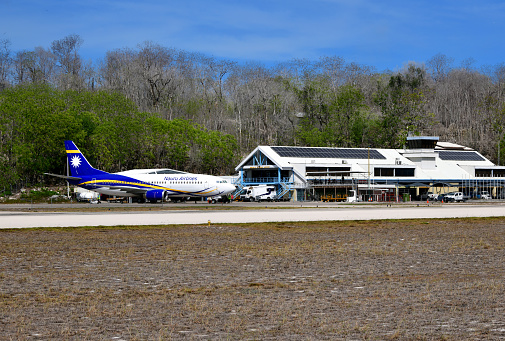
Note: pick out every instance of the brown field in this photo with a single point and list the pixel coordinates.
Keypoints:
(373, 280)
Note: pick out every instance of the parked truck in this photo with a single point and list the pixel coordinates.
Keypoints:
(259, 193)
(353, 196)
(432, 196)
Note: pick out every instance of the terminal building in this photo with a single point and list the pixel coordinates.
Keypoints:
(371, 174)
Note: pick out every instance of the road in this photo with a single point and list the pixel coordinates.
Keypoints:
(293, 212)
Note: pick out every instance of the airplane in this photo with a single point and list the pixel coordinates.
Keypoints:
(144, 184)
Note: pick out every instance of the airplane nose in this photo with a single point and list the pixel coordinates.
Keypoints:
(230, 188)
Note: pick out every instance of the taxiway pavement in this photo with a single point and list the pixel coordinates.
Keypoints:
(13, 219)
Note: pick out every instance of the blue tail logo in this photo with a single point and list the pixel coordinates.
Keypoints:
(78, 164)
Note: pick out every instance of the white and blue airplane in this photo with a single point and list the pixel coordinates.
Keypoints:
(145, 184)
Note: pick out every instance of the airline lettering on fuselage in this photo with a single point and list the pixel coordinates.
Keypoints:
(182, 178)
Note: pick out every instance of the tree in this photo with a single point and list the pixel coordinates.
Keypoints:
(439, 66)
(147, 75)
(23, 66)
(34, 66)
(34, 124)
(216, 154)
(68, 59)
(338, 121)
(402, 106)
(347, 120)
(155, 66)
(5, 62)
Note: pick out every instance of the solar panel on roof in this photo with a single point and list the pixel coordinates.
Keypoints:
(331, 153)
(459, 156)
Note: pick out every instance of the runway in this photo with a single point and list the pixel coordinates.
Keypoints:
(169, 217)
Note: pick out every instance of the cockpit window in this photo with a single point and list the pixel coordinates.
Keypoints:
(170, 171)
(166, 171)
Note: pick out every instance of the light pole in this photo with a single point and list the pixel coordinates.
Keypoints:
(368, 166)
(499, 143)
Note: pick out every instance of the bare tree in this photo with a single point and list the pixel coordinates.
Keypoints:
(46, 64)
(156, 69)
(467, 64)
(34, 66)
(496, 74)
(334, 69)
(23, 65)
(147, 75)
(117, 72)
(439, 66)
(70, 63)
(5, 62)
(263, 106)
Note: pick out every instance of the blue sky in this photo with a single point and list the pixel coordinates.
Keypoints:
(384, 34)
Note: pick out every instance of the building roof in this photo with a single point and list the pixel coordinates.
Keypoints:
(442, 163)
(449, 146)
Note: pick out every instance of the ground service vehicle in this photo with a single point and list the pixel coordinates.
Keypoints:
(87, 196)
(259, 193)
(353, 196)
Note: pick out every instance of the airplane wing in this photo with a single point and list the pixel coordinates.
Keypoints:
(132, 190)
(141, 191)
(66, 177)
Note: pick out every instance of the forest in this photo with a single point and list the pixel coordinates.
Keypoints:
(154, 106)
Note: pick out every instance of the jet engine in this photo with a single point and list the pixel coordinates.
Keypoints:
(156, 194)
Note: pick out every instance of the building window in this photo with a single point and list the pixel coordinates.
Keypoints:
(481, 173)
(384, 171)
(499, 173)
(396, 172)
(404, 172)
(487, 173)
(324, 171)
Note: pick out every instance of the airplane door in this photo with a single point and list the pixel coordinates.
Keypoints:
(206, 186)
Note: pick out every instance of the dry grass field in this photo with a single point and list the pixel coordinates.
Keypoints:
(362, 280)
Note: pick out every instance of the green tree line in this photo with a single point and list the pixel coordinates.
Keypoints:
(151, 92)
(107, 127)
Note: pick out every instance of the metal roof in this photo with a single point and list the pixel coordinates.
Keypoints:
(332, 153)
(439, 165)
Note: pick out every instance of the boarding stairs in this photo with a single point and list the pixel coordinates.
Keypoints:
(283, 189)
(240, 188)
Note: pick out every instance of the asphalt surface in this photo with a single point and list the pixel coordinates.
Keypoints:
(282, 212)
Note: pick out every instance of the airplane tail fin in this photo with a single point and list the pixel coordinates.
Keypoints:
(77, 163)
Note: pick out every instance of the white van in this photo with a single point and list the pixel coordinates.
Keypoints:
(454, 196)
(259, 193)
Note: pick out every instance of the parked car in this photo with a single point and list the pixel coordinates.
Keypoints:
(454, 197)
(485, 195)
(432, 196)
(220, 198)
(440, 197)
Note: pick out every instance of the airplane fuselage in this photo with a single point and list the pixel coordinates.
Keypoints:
(174, 185)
